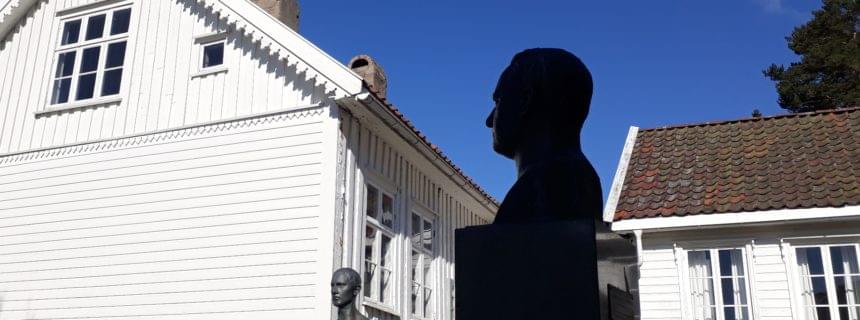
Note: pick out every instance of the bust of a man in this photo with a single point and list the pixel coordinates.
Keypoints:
(345, 287)
(541, 102)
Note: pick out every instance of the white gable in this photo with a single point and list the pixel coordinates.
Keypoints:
(267, 67)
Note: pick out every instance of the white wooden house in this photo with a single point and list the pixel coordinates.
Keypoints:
(748, 219)
(198, 159)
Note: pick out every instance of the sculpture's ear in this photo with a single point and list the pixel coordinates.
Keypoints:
(528, 99)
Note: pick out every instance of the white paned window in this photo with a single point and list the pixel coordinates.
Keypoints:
(829, 281)
(421, 275)
(379, 282)
(718, 284)
(91, 56)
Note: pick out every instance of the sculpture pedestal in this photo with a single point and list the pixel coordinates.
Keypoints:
(527, 271)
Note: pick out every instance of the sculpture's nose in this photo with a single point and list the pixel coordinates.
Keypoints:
(489, 122)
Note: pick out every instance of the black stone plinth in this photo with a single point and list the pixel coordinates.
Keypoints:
(527, 271)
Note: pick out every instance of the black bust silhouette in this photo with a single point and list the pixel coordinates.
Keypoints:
(345, 287)
(542, 100)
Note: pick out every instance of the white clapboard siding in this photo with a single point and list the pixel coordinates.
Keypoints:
(659, 285)
(376, 154)
(160, 89)
(221, 221)
(772, 295)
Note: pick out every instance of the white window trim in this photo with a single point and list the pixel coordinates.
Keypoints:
(428, 215)
(798, 307)
(202, 41)
(81, 12)
(395, 239)
(682, 263)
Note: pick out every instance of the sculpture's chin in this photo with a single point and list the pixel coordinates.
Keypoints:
(503, 150)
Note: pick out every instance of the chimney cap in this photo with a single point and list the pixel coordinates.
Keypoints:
(372, 73)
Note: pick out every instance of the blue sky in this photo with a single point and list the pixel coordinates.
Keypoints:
(655, 63)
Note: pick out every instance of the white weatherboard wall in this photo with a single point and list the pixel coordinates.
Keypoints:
(221, 221)
(158, 91)
(375, 153)
(767, 251)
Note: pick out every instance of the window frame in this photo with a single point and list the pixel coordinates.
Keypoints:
(829, 277)
(390, 303)
(424, 253)
(83, 15)
(200, 44)
(716, 283)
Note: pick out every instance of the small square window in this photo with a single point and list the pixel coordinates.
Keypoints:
(213, 54)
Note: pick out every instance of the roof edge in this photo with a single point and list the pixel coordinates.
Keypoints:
(722, 122)
(620, 175)
(699, 221)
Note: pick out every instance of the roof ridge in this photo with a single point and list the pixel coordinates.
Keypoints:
(750, 119)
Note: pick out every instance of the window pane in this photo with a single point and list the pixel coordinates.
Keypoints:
(90, 59)
(413, 301)
(371, 206)
(809, 261)
(427, 302)
(384, 252)
(71, 32)
(701, 285)
(844, 260)
(115, 55)
(111, 82)
(119, 22)
(847, 290)
(416, 231)
(734, 291)
(731, 263)
(428, 235)
(387, 211)
(86, 86)
(66, 64)
(849, 313)
(818, 290)
(821, 313)
(385, 286)
(95, 27)
(735, 313)
(61, 91)
(427, 274)
(416, 258)
(369, 271)
(372, 196)
(213, 55)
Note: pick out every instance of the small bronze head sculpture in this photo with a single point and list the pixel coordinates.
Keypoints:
(345, 287)
(542, 100)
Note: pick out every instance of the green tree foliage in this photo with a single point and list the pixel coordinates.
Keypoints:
(828, 74)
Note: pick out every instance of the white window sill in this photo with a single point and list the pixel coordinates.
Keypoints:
(79, 105)
(210, 71)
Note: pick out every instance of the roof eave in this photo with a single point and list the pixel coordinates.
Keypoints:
(746, 219)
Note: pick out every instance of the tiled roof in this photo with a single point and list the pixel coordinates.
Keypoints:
(806, 160)
(391, 107)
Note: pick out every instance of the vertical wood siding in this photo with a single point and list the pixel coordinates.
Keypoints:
(389, 160)
(160, 91)
(215, 222)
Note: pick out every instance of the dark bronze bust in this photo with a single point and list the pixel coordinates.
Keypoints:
(542, 100)
(345, 287)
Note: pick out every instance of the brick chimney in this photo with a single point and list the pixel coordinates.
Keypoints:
(371, 72)
(287, 11)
